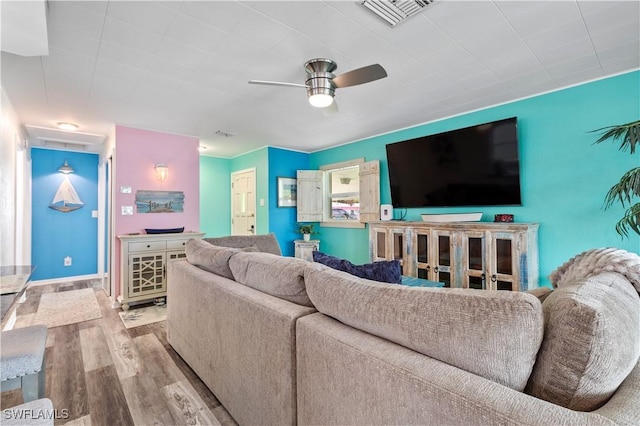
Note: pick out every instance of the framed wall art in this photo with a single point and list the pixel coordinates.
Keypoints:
(287, 192)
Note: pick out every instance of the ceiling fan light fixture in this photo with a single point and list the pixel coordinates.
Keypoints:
(320, 100)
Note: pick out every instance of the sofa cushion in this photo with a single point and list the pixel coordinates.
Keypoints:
(493, 334)
(278, 276)
(386, 271)
(591, 344)
(265, 243)
(209, 257)
(592, 262)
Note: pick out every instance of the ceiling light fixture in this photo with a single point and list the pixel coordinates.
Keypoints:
(65, 168)
(68, 126)
(202, 148)
(320, 100)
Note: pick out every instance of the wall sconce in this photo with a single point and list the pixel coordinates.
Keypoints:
(162, 172)
(65, 168)
(345, 180)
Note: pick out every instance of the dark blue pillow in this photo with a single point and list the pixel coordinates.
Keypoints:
(386, 271)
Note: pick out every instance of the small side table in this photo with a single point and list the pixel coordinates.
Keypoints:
(304, 249)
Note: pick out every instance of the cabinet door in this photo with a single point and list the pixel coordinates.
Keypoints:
(502, 262)
(146, 274)
(378, 244)
(398, 248)
(475, 267)
(422, 254)
(443, 255)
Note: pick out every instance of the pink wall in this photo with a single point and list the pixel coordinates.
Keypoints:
(136, 154)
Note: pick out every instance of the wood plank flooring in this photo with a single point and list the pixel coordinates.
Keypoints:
(100, 373)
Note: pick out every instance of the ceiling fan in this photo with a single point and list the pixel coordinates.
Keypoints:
(321, 83)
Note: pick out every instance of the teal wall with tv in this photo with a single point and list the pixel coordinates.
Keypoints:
(564, 176)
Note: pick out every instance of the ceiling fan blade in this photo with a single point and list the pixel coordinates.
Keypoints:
(330, 110)
(276, 83)
(360, 76)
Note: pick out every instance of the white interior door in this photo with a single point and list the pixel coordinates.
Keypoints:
(243, 202)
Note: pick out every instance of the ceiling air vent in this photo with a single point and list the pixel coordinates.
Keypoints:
(396, 11)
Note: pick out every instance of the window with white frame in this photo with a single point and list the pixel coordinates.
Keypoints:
(343, 194)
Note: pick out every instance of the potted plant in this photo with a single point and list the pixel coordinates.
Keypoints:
(306, 229)
(628, 187)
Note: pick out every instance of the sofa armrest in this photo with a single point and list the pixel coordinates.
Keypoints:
(239, 341)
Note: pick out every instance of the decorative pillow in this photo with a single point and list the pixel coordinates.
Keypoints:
(493, 334)
(591, 343)
(209, 257)
(386, 271)
(282, 277)
(595, 261)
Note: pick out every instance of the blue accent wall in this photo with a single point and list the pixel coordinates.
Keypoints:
(564, 176)
(215, 196)
(282, 220)
(56, 235)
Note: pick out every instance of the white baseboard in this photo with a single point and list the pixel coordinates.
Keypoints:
(64, 279)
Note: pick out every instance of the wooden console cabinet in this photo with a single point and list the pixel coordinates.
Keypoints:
(480, 255)
(143, 264)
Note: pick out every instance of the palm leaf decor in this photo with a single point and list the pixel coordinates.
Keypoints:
(628, 188)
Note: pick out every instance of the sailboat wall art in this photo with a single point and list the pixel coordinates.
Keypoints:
(66, 199)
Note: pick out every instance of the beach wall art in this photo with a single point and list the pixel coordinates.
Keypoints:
(159, 201)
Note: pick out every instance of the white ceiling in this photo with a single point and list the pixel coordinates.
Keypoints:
(182, 66)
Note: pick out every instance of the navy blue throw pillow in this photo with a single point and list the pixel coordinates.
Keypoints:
(386, 271)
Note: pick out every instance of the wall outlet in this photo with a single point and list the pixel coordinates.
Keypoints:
(67, 261)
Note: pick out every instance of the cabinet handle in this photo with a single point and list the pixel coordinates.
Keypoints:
(428, 268)
(483, 276)
(435, 269)
(494, 278)
(148, 245)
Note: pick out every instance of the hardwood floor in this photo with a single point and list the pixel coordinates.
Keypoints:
(100, 373)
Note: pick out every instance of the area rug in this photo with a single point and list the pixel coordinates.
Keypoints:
(143, 316)
(67, 307)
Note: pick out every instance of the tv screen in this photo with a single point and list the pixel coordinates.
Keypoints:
(474, 166)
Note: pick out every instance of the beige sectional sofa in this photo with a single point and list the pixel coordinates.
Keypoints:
(284, 341)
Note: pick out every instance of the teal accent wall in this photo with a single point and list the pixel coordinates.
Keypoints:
(258, 159)
(282, 220)
(215, 196)
(56, 235)
(564, 176)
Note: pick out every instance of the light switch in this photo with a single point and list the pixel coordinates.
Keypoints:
(261, 202)
(125, 189)
(94, 213)
(127, 210)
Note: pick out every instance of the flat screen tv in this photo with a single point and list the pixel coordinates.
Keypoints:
(474, 166)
